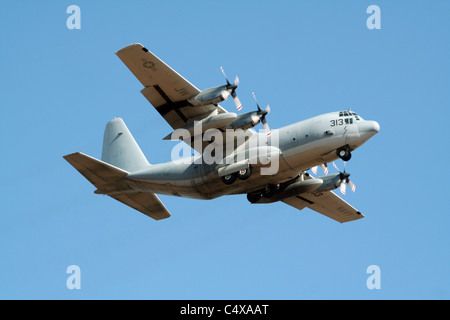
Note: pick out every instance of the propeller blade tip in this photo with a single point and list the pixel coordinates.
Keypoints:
(237, 102)
(336, 167)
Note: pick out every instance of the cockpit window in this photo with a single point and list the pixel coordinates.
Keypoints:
(350, 113)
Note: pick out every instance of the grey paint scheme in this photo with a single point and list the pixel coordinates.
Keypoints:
(125, 174)
(303, 145)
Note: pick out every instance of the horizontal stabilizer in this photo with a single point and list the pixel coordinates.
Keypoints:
(101, 174)
(145, 202)
(110, 180)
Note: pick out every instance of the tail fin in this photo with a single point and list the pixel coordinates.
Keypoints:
(120, 149)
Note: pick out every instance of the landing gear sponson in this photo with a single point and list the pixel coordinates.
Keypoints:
(243, 174)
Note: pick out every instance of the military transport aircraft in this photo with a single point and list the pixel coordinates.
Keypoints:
(124, 173)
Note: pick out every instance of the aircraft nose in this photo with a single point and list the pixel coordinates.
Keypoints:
(368, 129)
(375, 126)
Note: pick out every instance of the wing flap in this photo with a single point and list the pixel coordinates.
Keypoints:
(327, 203)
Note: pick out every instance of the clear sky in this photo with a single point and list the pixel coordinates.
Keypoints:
(59, 87)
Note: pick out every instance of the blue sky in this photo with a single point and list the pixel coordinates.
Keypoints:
(59, 87)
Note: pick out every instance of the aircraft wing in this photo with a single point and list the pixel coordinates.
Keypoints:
(164, 88)
(327, 203)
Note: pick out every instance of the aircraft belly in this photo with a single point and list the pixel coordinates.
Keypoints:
(177, 179)
(202, 181)
(214, 187)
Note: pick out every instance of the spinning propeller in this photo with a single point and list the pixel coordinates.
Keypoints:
(261, 115)
(344, 180)
(232, 89)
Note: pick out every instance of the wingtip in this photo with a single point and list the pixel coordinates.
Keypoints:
(131, 46)
(67, 156)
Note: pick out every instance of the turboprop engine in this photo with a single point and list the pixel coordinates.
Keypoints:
(250, 119)
(217, 94)
(210, 96)
(290, 189)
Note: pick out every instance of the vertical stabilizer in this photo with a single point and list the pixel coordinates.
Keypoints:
(120, 149)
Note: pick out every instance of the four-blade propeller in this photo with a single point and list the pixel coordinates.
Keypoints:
(232, 89)
(261, 115)
(344, 180)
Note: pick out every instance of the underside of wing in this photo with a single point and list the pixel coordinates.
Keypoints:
(164, 88)
(326, 203)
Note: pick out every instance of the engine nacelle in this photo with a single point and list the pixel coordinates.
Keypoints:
(245, 121)
(210, 96)
(330, 182)
(298, 187)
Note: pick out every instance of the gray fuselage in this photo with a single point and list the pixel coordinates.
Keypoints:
(302, 145)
